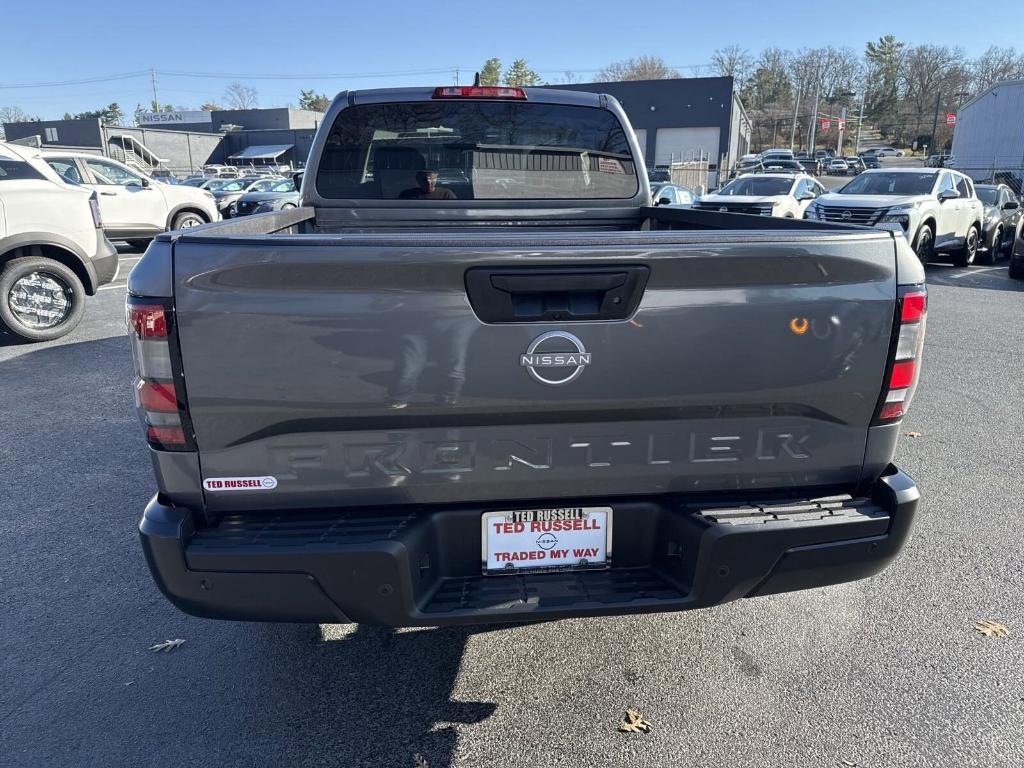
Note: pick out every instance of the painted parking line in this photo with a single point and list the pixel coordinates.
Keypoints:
(112, 287)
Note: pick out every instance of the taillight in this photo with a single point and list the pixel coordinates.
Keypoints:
(94, 209)
(158, 391)
(904, 367)
(478, 92)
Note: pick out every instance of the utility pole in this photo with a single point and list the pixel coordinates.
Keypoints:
(796, 109)
(456, 75)
(860, 121)
(812, 129)
(156, 101)
(935, 122)
(842, 130)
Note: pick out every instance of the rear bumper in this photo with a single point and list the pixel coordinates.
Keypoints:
(410, 568)
(105, 262)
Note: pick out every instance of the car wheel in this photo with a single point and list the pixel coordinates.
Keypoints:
(964, 257)
(286, 206)
(139, 245)
(924, 244)
(40, 299)
(187, 220)
(989, 256)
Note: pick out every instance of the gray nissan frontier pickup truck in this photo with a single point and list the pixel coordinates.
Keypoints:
(477, 377)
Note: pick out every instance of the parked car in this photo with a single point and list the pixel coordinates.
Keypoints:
(422, 412)
(658, 174)
(1016, 269)
(811, 166)
(937, 209)
(780, 165)
(837, 166)
(227, 191)
(888, 152)
(134, 207)
(53, 252)
(854, 165)
(936, 161)
(784, 195)
(280, 196)
(999, 227)
(776, 154)
(870, 161)
(221, 172)
(824, 155)
(672, 195)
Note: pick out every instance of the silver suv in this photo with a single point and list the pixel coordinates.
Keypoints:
(937, 209)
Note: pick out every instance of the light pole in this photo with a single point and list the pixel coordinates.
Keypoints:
(842, 121)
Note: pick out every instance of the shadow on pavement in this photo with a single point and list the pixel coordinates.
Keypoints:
(992, 278)
(373, 696)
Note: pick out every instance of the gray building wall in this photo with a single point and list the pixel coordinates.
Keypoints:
(989, 134)
(181, 150)
(302, 140)
(69, 133)
(691, 102)
(265, 119)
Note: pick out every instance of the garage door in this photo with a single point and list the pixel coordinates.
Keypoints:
(641, 136)
(675, 144)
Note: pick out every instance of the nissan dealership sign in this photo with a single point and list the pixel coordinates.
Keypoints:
(175, 118)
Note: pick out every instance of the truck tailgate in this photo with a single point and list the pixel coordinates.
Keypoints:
(355, 370)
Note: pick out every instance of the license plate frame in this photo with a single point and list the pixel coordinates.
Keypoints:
(558, 520)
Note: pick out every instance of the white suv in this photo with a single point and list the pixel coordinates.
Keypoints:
(52, 249)
(784, 195)
(937, 208)
(135, 207)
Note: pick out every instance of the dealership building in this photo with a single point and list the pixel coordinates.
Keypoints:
(682, 119)
(186, 140)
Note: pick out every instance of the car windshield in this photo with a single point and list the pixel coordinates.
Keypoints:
(192, 182)
(988, 195)
(759, 186)
(889, 183)
(231, 185)
(284, 186)
(447, 149)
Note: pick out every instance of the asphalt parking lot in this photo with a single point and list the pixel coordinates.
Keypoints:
(886, 672)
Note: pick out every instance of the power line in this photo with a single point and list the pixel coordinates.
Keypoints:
(82, 81)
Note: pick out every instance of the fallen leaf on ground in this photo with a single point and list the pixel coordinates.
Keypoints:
(909, 434)
(167, 645)
(634, 723)
(419, 761)
(991, 628)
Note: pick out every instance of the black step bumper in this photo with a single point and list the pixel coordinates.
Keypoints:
(422, 567)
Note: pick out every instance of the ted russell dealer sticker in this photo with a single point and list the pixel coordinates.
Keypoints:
(265, 483)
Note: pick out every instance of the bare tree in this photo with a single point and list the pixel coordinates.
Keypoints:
(239, 96)
(734, 62)
(994, 65)
(640, 68)
(931, 78)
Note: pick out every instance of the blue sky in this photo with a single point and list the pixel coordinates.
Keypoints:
(379, 44)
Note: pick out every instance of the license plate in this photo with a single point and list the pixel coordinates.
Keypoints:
(546, 539)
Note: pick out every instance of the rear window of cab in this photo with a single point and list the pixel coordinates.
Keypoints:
(476, 150)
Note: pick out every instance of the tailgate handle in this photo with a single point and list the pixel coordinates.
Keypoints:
(518, 295)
